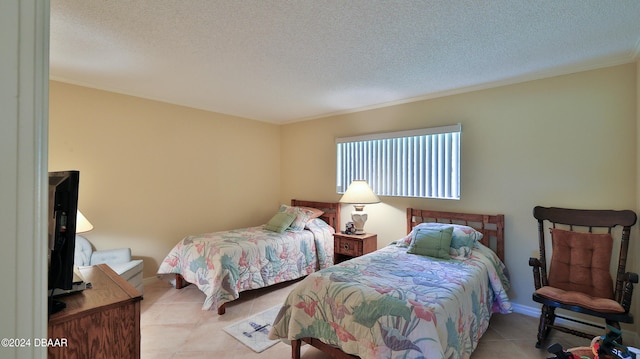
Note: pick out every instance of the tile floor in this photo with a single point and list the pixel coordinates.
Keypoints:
(173, 326)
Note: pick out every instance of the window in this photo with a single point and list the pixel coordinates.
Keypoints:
(418, 163)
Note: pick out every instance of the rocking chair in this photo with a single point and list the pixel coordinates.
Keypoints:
(579, 278)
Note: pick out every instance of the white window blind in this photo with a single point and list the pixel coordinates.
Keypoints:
(417, 163)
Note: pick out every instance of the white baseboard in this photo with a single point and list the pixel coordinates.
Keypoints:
(526, 310)
(630, 337)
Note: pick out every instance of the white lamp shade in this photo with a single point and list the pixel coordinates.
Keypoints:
(82, 223)
(359, 192)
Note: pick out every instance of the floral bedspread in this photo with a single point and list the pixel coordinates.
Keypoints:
(390, 304)
(223, 264)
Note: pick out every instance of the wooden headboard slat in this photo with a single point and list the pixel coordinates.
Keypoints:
(491, 226)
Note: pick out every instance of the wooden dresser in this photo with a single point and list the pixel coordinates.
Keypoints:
(100, 322)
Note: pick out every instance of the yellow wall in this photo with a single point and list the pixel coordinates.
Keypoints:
(563, 141)
(152, 173)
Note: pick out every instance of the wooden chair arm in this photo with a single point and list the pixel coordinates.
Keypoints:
(537, 280)
(629, 279)
(534, 262)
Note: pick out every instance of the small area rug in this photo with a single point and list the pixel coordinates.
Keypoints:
(254, 331)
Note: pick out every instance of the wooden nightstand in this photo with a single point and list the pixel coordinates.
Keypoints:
(347, 246)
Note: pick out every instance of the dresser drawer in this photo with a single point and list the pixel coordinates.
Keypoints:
(348, 246)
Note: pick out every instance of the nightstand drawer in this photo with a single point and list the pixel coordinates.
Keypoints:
(348, 246)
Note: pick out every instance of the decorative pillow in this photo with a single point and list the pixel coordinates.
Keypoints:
(280, 221)
(432, 242)
(301, 216)
(404, 241)
(317, 223)
(315, 213)
(463, 237)
(460, 252)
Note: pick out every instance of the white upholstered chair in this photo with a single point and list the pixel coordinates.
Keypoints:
(117, 259)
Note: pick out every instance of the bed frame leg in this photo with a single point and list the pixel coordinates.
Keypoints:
(180, 282)
(295, 348)
(222, 309)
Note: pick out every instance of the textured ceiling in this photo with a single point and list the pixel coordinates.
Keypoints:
(283, 61)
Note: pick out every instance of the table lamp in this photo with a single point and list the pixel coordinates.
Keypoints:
(82, 223)
(359, 193)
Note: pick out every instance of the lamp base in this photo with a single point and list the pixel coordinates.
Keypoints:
(359, 218)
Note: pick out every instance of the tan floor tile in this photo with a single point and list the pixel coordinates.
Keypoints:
(174, 326)
(492, 336)
(172, 313)
(156, 355)
(507, 349)
(515, 326)
(163, 338)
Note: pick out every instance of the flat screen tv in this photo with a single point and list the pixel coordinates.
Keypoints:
(63, 207)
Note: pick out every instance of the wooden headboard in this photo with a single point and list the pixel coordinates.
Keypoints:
(331, 211)
(491, 226)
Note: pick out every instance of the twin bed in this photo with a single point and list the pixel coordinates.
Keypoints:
(397, 302)
(223, 264)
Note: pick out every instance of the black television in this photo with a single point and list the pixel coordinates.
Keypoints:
(63, 208)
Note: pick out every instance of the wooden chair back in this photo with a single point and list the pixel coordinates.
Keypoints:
(586, 220)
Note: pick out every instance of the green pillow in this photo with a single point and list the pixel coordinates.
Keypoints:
(432, 242)
(280, 221)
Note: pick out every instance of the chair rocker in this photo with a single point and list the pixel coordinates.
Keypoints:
(579, 278)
